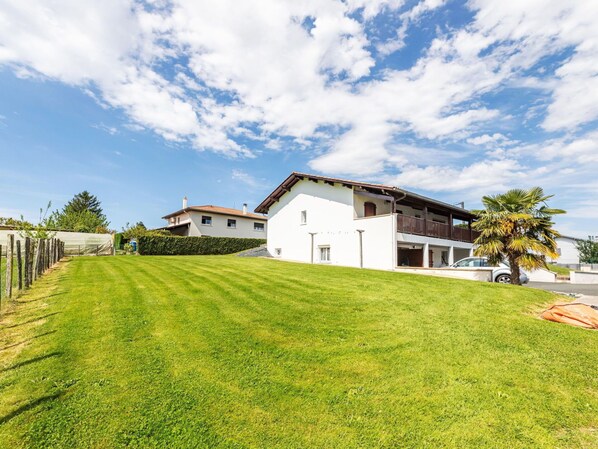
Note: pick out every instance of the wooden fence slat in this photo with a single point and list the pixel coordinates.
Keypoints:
(9, 255)
(27, 258)
(0, 276)
(19, 267)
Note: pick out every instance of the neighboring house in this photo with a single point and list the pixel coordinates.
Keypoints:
(327, 220)
(567, 251)
(216, 221)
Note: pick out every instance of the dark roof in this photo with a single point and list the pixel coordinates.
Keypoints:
(216, 210)
(400, 194)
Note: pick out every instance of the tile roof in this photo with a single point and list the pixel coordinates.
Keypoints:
(209, 208)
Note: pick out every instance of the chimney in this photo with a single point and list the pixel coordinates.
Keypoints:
(185, 202)
(244, 208)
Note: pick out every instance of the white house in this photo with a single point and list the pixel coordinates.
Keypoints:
(328, 220)
(216, 221)
(567, 251)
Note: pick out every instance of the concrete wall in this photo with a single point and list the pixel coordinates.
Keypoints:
(584, 277)
(541, 275)
(477, 274)
(219, 228)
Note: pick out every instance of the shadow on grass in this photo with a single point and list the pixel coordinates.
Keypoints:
(27, 340)
(30, 361)
(32, 320)
(28, 406)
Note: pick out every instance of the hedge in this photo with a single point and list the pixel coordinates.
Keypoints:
(178, 245)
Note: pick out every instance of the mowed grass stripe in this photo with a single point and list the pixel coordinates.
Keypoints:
(233, 352)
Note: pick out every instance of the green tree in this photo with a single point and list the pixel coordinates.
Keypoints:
(81, 214)
(516, 227)
(139, 230)
(588, 251)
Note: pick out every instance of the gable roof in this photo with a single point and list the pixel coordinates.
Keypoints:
(399, 194)
(209, 208)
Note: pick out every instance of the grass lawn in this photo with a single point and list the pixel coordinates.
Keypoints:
(200, 351)
(561, 271)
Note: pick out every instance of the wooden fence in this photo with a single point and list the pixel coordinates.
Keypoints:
(27, 262)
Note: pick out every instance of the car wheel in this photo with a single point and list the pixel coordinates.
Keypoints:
(503, 279)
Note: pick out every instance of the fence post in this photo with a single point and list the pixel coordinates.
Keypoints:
(27, 261)
(47, 255)
(9, 255)
(19, 267)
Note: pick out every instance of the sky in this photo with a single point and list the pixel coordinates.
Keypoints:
(144, 102)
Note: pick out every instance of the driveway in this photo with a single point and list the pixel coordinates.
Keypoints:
(585, 293)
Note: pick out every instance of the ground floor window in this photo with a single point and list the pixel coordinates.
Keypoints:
(324, 254)
(258, 227)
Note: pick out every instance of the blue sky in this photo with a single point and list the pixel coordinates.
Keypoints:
(142, 103)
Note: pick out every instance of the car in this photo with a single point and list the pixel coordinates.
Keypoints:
(500, 273)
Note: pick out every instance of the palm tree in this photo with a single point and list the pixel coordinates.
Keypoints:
(516, 227)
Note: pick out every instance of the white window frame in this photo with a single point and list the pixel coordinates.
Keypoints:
(209, 217)
(304, 217)
(324, 250)
(258, 229)
(231, 221)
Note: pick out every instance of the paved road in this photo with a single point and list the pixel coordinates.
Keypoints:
(587, 293)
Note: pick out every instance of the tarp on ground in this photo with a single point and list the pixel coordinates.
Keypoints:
(575, 314)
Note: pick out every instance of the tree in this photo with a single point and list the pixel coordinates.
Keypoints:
(588, 251)
(81, 214)
(516, 227)
(139, 229)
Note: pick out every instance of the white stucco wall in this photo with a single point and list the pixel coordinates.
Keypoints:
(541, 275)
(568, 251)
(219, 228)
(584, 277)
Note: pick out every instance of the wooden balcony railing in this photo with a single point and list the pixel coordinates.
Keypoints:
(429, 228)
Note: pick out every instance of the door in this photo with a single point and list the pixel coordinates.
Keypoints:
(369, 209)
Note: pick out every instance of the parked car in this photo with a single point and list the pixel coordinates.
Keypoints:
(500, 273)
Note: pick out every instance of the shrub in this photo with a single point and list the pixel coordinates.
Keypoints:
(178, 245)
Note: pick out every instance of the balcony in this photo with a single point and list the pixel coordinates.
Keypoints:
(429, 228)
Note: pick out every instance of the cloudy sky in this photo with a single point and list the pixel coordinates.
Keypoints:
(143, 102)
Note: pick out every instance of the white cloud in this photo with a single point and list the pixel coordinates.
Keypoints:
(485, 176)
(304, 71)
(245, 178)
(485, 139)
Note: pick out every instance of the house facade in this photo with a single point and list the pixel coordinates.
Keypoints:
(567, 251)
(216, 221)
(327, 220)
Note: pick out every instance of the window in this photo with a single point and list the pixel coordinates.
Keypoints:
(206, 220)
(178, 220)
(230, 223)
(303, 217)
(258, 227)
(369, 209)
(324, 254)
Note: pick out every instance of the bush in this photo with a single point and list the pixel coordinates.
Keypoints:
(177, 245)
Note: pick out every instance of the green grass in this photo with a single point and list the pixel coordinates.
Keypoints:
(219, 351)
(561, 271)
